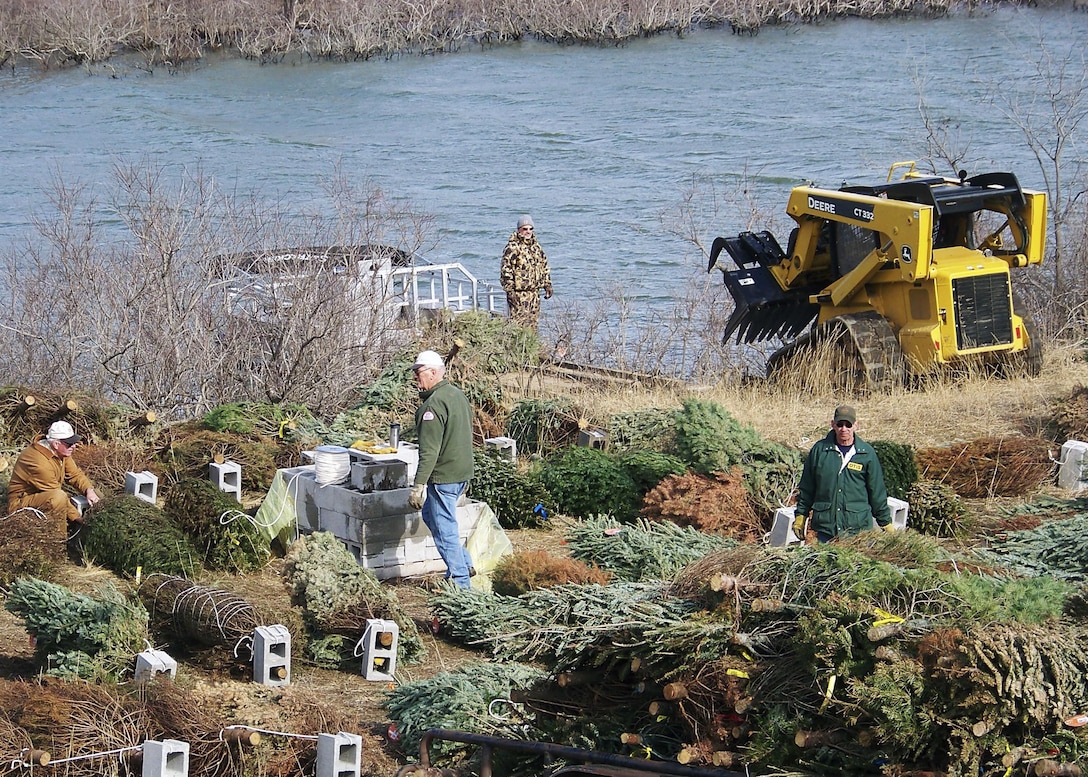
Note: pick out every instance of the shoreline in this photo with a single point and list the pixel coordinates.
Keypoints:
(370, 30)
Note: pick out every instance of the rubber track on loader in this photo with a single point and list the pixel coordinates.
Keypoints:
(880, 363)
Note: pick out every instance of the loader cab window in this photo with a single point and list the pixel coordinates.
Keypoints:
(992, 230)
(955, 229)
(850, 245)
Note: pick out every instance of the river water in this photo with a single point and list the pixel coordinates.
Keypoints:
(600, 145)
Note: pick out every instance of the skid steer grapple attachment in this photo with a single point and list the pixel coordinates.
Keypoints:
(762, 309)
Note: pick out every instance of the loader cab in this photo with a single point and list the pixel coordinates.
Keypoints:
(955, 229)
(985, 212)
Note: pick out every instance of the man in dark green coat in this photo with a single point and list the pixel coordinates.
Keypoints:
(842, 484)
(444, 429)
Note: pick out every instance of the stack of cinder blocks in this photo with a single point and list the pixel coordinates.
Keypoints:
(372, 517)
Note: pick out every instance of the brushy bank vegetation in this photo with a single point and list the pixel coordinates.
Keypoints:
(58, 33)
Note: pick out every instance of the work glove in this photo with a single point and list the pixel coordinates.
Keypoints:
(418, 497)
(799, 527)
(888, 527)
(547, 291)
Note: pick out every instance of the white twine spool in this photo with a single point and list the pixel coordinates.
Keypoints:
(332, 464)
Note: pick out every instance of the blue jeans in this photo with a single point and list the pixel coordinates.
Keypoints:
(440, 516)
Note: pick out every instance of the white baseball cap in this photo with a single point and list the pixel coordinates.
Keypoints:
(428, 359)
(62, 431)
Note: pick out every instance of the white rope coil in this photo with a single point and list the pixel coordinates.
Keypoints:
(332, 464)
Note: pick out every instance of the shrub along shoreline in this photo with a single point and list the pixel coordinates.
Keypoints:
(66, 33)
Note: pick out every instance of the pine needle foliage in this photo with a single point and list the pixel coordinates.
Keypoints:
(227, 537)
(641, 550)
(1012, 600)
(709, 439)
(1055, 548)
(196, 616)
(893, 694)
(897, 462)
(935, 509)
(393, 389)
(263, 418)
(1071, 415)
(589, 481)
(31, 545)
(338, 596)
(543, 426)
(648, 468)
(519, 500)
(492, 344)
(127, 534)
(987, 689)
(79, 635)
(359, 423)
(716, 504)
(462, 701)
(991, 466)
(567, 627)
(186, 449)
(837, 572)
(908, 549)
(791, 619)
(526, 571)
(650, 429)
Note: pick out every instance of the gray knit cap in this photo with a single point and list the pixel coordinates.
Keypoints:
(525, 221)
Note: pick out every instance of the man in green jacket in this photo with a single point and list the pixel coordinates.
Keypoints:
(444, 432)
(842, 484)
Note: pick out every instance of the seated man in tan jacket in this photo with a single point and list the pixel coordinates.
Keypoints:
(40, 472)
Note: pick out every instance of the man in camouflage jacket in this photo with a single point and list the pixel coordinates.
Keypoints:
(523, 273)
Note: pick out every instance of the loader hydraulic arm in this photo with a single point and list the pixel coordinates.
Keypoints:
(847, 238)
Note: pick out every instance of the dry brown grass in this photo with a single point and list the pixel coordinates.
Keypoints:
(945, 411)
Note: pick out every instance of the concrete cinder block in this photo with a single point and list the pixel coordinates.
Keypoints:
(151, 663)
(592, 438)
(272, 655)
(336, 523)
(781, 532)
(367, 476)
(227, 477)
(168, 758)
(379, 644)
(507, 446)
(899, 510)
(383, 533)
(1073, 466)
(339, 755)
(406, 451)
(142, 485)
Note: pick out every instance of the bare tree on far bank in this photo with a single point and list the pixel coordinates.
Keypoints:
(170, 311)
(62, 33)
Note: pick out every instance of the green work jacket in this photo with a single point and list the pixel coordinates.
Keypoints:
(444, 433)
(843, 500)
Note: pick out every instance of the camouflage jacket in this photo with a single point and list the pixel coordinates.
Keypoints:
(524, 266)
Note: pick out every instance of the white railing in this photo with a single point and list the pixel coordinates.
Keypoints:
(406, 289)
(442, 286)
